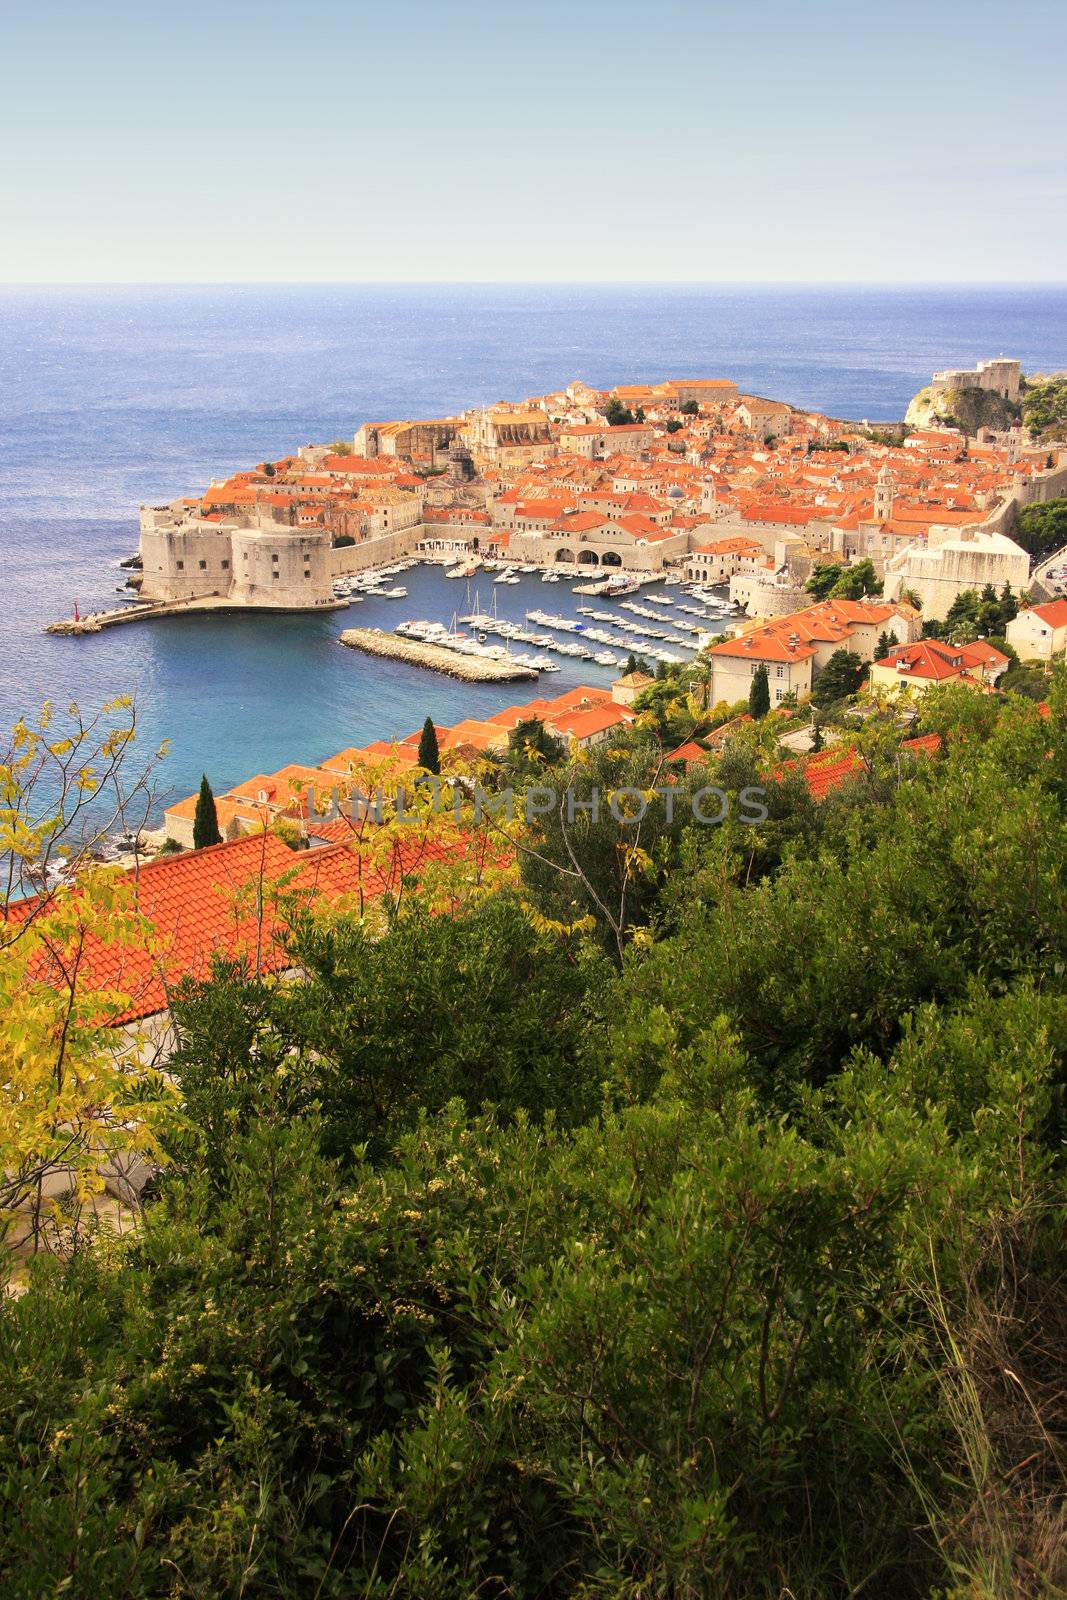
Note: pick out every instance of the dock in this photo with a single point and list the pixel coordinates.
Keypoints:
(145, 610)
(472, 669)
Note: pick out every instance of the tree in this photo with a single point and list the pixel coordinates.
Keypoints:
(822, 579)
(886, 641)
(689, 408)
(69, 1078)
(1025, 678)
(205, 821)
(631, 663)
(531, 748)
(617, 415)
(840, 678)
(856, 581)
(1041, 529)
(429, 754)
(479, 1006)
(674, 426)
(759, 694)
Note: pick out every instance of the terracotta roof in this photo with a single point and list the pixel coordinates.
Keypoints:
(726, 547)
(690, 752)
(937, 661)
(762, 645)
(203, 903)
(1055, 613)
(583, 724)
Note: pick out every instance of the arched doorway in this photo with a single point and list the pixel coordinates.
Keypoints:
(588, 558)
(564, 555)
(610, 558)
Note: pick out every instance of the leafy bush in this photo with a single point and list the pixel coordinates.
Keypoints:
(748, 1281)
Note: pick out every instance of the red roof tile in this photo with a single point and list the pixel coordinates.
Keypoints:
(221, 901)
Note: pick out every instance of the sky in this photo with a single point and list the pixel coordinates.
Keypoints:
(591, 140)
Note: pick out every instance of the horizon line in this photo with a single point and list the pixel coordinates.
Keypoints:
(533, 283)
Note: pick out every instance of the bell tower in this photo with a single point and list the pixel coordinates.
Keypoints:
(883, 496)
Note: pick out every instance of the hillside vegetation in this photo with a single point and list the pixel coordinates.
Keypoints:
(1041, 529)
(1044, 406)
(708, 1247)
(966, 409)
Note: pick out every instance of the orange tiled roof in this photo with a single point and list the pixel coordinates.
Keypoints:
(203, 903)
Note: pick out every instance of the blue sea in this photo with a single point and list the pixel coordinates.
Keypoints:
(114, 396)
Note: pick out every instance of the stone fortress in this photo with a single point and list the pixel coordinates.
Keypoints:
(999, 376)
(187, 557)
(686, 474)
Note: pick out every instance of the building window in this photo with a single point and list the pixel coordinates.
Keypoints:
(225, 566)
(274, 558)
(202, 565)
(274, 575)
(180, 565)
(307, 572)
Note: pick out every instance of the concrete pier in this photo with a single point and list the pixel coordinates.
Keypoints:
(145, 610)
(472, 669)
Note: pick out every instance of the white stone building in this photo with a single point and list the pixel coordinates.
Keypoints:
(1040, 633)
(953, 560)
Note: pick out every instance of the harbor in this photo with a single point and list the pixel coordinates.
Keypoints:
(246, 689)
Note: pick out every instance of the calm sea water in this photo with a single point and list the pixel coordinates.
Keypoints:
(114, 396)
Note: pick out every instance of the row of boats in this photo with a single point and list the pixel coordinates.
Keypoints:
(511, 572)
(375, 581)
(637, 638)
(450, 638)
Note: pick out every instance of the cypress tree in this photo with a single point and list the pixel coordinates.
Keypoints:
(429, 755)
(206, 821)
(759, 695)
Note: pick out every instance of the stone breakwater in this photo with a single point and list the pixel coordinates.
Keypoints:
(472, 669)
(145, 611)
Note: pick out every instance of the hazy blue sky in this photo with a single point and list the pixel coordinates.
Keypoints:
(563, 139)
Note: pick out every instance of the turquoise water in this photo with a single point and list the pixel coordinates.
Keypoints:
(111, 397)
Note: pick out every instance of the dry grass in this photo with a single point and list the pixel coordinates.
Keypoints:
(1003, 1534)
